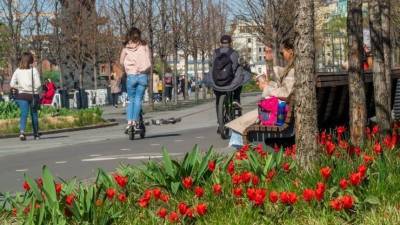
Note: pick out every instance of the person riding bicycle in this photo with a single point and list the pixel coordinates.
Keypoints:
(225, 64)
(135, 58)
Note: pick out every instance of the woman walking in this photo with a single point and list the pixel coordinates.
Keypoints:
(26, 81)
(115, 85)
(135, 58)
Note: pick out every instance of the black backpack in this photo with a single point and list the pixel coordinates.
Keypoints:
(223, 73)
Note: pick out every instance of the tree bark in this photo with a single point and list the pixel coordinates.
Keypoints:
(387, 46)
(151, 46)
(175, 44)
(358, 114)
(381, 91)
(306, 107)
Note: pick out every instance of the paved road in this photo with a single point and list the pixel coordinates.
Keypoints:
(81, 153)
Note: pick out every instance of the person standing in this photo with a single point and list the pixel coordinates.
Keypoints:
(115, 84)
(26, 80)
(136, 60)
(168, 84)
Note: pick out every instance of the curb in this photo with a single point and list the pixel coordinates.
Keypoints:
(110, 123)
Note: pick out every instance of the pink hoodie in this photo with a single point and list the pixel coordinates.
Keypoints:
(136, 59)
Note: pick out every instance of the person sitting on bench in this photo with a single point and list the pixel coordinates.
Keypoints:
(278, 82)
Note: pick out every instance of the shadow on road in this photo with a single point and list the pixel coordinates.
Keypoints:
(53, 137)
(162, 135)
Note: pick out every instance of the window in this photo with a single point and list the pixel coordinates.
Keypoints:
(259, 58)
(259, 49)
(259, 70)
(249, 50)
(248, 40)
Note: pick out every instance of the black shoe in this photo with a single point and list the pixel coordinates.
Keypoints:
(22, 137)
(36, 137)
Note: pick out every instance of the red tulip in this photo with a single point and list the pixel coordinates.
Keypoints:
(378, 148)
(121, 180)
(156, 193)
(325, 172)
(58, 188)
(201, 209)
(271, 174)
(187, 182)
(343, 183)
(122, 197)
(368, 159)
(375, 129)
(308, 195)
(336, 204)
(237, 192)
(110, 192)
(147, 194)
(273, 196)
(26, 186)
(246, 177)
(276, 148)
(162, 213)
(189, 213)
(255, 180)
(69, 199)
(211, 166)
(173, 217)
(39, 182)
(355, 178)
(182, 207)
(199, 192)
(357, 151)
(231, 167)
(347, 201)
(292, 198)
(286, 167)
(284, 197)
(164, 198)
(340, 130)
(362, 169)
(330, 147)
(236, 179)
(259, 197)
(251, 193)
(320, 191)
(217, 188)
(143, 202)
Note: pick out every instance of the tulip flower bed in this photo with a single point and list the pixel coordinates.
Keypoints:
(348, 185)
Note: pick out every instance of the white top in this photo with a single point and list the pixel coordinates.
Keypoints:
(22, 80)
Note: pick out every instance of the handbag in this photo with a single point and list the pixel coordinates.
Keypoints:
(35, 102)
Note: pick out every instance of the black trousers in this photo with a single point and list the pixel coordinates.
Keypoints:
(236, 96)
(115, 98)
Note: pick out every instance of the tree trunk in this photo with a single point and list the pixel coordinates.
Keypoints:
(381, 91)
(163, 46)
(306, 107)
(150, 30)
(175, 39)
(196, 76)
(358, 114)
(387, 46)
(186, 76)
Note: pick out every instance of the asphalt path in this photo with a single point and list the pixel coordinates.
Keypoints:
(82, 160)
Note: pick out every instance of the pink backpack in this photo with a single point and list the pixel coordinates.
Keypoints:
(268, 111)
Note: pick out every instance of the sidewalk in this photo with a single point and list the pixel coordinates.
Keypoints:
(200, 116)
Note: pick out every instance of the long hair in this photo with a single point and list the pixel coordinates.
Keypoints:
(134, 35)
(26, 61)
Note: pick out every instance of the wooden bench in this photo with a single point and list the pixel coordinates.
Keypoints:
(332, 106)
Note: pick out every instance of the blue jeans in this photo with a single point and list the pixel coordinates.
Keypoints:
(236, 140)
(25, 107)
(135, 86)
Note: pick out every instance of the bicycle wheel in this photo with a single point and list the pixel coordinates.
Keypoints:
(223, 116)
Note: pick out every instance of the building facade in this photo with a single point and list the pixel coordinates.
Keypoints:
(247, 43)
